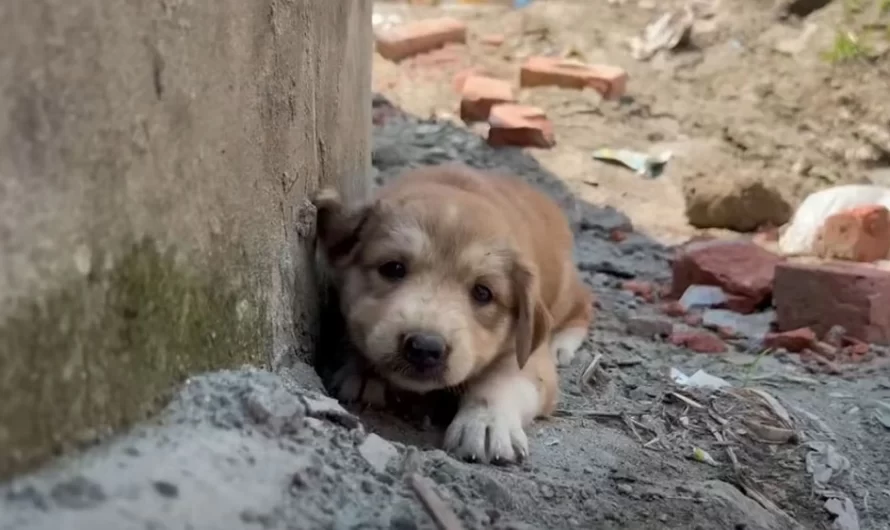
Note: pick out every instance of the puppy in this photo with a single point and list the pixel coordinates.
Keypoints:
(454, 278)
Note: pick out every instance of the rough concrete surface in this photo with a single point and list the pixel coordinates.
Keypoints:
(154, 163)
(249, 449)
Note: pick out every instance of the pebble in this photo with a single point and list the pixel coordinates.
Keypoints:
(547, 492)
(627, 489)
(377, 452)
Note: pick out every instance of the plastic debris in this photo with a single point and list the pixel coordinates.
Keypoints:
(699, 379)
(754, 326)
(825, 463)
(800, 235)
(845, 511)
(699, 296)
(646, 165)
(667, 32)
(700, 455)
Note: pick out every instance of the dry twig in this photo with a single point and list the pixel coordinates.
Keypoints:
(442, 514)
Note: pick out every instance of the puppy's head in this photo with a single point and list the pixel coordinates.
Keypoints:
(432, 284)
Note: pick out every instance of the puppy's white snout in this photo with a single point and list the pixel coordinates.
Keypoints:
(424, 349)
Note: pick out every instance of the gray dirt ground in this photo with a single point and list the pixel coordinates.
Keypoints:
(250, 449)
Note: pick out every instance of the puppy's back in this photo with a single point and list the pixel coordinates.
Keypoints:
(541, 225)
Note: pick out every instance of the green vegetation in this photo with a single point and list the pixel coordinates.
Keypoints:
(865, 22)
(106, 349)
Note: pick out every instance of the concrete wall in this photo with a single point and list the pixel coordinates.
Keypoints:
(155, 157)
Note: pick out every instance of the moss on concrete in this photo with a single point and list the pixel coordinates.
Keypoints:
(105, 350)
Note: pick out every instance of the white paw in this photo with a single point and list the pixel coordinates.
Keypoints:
(487, 434)
(352, 384)
(566, 343)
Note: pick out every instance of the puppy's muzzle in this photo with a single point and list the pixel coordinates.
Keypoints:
(424, 351)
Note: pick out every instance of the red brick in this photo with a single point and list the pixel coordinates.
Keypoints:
(858, 234)
(610, 81)
(740, 268)
(673, 309)
(819, 296)
(519, 125)
(644, 290)
(795, 341)
(617, 236)
(461, 77)
(418, 37)
(698, 341)
(480, 93)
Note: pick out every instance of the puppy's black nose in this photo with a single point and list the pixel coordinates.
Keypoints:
(424, 349)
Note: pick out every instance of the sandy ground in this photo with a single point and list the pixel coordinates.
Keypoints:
(250, 449)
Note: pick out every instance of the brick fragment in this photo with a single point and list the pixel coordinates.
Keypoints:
(698, 341)
(480, 93)
(519, 125)
(741, 268)
(460, 78)
(617, 236)
(421, 36)
(610, 81)
(857, 234)
(795, 341)
(822, 295)
(644, 290)
(673, 309)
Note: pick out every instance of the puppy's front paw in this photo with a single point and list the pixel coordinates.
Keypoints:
(352, 384)
(566, 343)
(487, 434)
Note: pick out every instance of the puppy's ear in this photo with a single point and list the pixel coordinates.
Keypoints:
(533, 321)
(338, 227)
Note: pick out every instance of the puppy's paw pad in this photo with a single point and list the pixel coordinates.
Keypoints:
(484, 434)
(351, 385)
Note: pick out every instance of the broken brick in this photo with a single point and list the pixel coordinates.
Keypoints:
(461, 77)
(673, 309)
(519, 125)
(741, 268)
(644, 290)
(698, 341)
(422, 36)
(795, 341)
(610, 81)
(617, 236)
(858, 234)
(823, 295)
(480, 93)
(858, 349)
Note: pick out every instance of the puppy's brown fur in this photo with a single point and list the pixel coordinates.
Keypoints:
(457, 235)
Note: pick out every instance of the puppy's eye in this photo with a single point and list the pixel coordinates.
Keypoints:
(393, 270)
(481, 294)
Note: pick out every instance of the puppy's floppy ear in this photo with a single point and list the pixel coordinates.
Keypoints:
(338, 227)
(533, 321)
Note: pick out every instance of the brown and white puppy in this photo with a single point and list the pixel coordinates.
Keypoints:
(454, 278)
